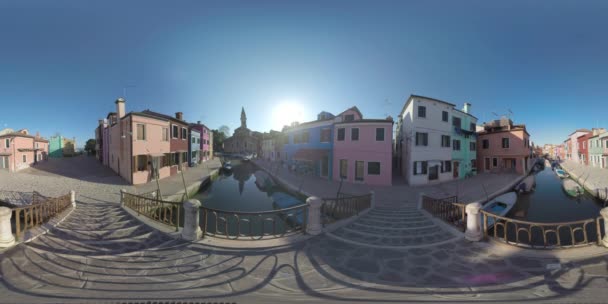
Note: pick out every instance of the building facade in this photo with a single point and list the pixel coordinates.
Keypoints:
(583, 148)
(206, 145)
(194, 147)
(20, 150)
(242, 141)
(464, 142)
(178, 141)
(572, 142)
(60, 146)
(503, 147)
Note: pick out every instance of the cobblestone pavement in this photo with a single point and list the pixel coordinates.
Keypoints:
(102, 254)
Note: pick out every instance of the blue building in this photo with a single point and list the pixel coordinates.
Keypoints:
(194, 147)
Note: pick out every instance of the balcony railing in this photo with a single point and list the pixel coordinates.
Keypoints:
(446, 209)
(39, 212)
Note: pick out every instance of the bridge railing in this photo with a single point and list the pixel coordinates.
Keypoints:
(446, 209)
(542, 235)
(344, 206)
(164, 212)
(39, 212)
(254, 225)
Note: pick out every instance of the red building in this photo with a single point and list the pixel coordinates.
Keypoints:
(583, 149)
(178, 140)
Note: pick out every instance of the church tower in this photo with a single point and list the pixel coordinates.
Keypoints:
(243, 118)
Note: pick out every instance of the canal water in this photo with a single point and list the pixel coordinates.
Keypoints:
(550, 203)
(236, 190)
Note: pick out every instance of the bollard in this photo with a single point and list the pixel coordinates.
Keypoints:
(6, 235)
(73, 198)
(420, 197)
(604, 214)
(122, 197)
(373, 198)
(473, 232)
(314, 226)
(192, 230)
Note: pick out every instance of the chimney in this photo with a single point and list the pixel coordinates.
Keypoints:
(198, 122)
(179, 115)
(100, 122)
(37, 134)
(466, 108)
(120, 107)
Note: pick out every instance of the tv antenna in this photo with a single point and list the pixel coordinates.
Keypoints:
(508, 115)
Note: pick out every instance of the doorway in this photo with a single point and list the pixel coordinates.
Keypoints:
(456, 169)
(486, 164)
(434, 172)
(4, 163)
(324, 166)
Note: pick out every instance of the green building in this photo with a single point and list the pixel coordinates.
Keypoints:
(596, 146)
(464, 142)
(60, 146)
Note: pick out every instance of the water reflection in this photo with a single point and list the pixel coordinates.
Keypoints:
(549, 203)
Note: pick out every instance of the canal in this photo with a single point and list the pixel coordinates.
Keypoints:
(549, 203)
(237, 191)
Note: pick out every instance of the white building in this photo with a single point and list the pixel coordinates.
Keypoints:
(574, 141)
(422, 141)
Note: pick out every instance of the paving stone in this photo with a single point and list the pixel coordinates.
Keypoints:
(363, 265)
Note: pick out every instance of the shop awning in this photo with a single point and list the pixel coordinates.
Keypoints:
(156, 154)
(311, 154)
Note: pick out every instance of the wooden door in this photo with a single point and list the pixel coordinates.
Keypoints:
(456, 169)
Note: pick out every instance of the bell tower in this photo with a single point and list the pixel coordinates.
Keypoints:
(243, 118)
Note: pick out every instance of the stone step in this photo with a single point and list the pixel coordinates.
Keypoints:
(395, 216)
(393, 232)
(105, 234)
(374, 220)
(392, 242)
(394, 212)
(412, 224)
(364, 226)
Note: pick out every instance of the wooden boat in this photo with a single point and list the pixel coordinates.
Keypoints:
(227, 166)
(547, 163)
(572, 188)
(263, 180)
(527, 184)
(501, 205)
(561, 173)
(284, 200)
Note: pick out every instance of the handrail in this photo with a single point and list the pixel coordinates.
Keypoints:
(343, 207)
(447, 209)
(542, 235)
(164, 212)
(39, 212)
(254, 224)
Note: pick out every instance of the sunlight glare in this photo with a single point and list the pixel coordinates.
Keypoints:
(286, 112)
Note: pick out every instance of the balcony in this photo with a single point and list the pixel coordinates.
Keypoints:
(463, 132)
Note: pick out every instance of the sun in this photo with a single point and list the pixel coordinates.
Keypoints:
(286, 112)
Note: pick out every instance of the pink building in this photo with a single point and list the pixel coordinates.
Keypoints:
(206, 140)
(503, 147)
(362, 149)
(19, 150)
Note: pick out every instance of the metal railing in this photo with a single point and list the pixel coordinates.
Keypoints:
(447, 209)
(344, 206)
(39, 212)
(164, 212)
(254, 225)
(542, 235)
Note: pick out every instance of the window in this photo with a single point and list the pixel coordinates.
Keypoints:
(420, 167)
(305, 136)
(472, 127)
(184, 157)
(349, 117)
(165, 134)
(373, 168)
(341, 134)
(494, 162)
(445, 141)
(584, 145)
(166, 161)
(141, 162)
(422, 139)
(485, 144)
(456, 122)
(446, 166)
(325, 135)
(37, 146)
(456, 145)
(422, 111)
(25, 158)
(505, 142)
(473, 146)
(379, 134)
(175, 159)
(193, 140)
(445, 116)
(184, 133)
(7, 143)
(141, 132)
(359, 167)
(343, 168)
(354, 134)
(175, 131)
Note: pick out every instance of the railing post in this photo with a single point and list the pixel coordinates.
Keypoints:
(73, 198)
(6, 235)
(192, 230)
(473, 232)
(604, 214)
(314, 226)
(122, 197)
(420, 198)
(373, 198)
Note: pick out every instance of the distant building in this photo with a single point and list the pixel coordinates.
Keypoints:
(574, 145)
(60, 146)
(596, 147)
(20, 150)
(583, 148)
(206, 145)
(503, 147)
(271, 145)
(194, 147)
(243, 140)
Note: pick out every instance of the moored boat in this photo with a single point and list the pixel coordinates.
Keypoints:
(501, 205)
(572, 188)
(227, 166)
(561, 173)
(527, 184)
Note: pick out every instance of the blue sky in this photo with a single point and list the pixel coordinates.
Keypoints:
(63, 63)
